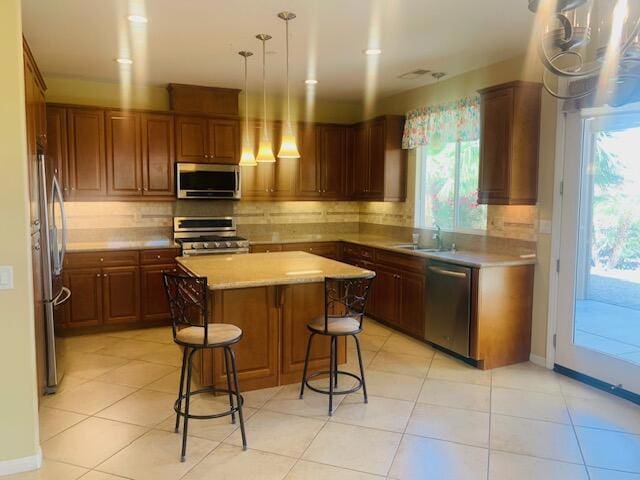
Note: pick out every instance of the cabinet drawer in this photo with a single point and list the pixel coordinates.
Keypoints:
(400, 261)
(159, 256)
(324, 249)
(101, 259)
(358, 251)
(266, 248)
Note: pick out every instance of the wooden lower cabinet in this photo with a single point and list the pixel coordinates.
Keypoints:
(273, 321)
(322, 249)
(121, 291)
(155, 306)
(412, 298)
(84, 309)
(115, 289)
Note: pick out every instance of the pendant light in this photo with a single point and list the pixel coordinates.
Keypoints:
(265, 151)
(247, 159)
(288, 147)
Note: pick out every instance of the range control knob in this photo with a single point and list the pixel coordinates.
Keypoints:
(229, 244)
(216, 244)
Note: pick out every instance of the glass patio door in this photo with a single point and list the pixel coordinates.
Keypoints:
(598, 330)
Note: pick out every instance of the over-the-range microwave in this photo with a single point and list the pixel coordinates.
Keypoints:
(212, 181)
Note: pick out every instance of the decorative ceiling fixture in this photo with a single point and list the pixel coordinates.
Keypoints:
(247, 159)
(288, 147)
(265, 151)
(586, 59)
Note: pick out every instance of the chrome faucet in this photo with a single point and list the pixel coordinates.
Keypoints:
(438, 237)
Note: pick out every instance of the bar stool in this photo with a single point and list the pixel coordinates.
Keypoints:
(188, 304)
(345, 300)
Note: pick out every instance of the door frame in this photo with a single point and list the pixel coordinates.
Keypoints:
(556, 234)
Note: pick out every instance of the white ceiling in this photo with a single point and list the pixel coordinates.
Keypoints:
(196, 41)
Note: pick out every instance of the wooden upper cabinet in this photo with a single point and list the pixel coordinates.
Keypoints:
(379, 165)
(86, 153)
(57, 144)
(332, 151)
(158, 154)
(191, 139)
(124, 156)
(224, 141)
(509, 144)
(207, 140)
(308, 163)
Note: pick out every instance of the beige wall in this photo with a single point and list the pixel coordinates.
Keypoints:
(104, 94)
(18, 402)
(509, 222)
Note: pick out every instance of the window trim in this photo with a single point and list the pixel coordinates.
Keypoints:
(421, 160)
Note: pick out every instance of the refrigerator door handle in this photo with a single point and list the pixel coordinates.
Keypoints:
(57, 192)
(63, 297)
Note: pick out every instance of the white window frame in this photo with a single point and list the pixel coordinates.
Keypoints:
(421, 160)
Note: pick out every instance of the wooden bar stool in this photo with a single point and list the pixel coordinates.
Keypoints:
(188, 303)
(345, 300)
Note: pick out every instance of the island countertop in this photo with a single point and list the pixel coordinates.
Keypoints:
(225, 272)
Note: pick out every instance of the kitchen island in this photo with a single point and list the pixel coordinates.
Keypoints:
(271, 297)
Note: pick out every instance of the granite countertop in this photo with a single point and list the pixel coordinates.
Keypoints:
(460, 257)
(226, 272)
(138, 244)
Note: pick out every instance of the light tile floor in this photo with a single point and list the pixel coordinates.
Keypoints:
(429, 417)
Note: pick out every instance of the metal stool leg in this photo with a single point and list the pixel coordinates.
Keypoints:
(364, 385)
(180, 389)
(226, 366)
(306, 365)
(335, 364)
(232, 356)
(332, 369)
(186, 408)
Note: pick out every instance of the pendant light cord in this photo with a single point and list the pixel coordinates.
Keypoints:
(288, 93)
(264, 89)
(246, 103)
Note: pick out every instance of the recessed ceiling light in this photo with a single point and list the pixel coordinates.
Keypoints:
(137, 19)
(310, 81)
(372, 51)
(124, 61)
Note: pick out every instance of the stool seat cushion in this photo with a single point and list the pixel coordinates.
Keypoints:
(336, 325)
(217, 334)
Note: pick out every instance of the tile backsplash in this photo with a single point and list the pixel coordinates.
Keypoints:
(94, 219)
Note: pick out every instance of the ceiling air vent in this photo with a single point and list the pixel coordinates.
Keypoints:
(414, 74)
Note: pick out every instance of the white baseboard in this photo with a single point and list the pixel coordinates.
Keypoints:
(24, 464)
(538, 360)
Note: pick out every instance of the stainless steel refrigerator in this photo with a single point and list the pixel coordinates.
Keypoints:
(52, 235)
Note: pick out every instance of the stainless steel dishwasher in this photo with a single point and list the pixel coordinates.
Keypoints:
(448, 306)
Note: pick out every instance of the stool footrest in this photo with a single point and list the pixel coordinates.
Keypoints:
(335, 392)
(239, 401)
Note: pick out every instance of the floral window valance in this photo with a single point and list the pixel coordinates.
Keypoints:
(440, 124)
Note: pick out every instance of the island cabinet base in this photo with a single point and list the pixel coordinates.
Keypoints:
(274, 321)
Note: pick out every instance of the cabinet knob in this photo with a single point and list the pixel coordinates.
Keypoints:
(139, 189)
(311, 249)
(146, 189)
(104, 275)
(157, 256)
(97, 274)
(102, 259)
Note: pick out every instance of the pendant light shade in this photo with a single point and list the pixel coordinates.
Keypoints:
(288, 147)
(247, 159)
(265, 150)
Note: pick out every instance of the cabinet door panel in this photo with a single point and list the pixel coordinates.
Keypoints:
(121, 294)
(124, 166)
(84, 309)
(386, 290)
(57, 144)
(496, 121)
(332, 160)
(158, 154)
(257, 181)
(412, 298)
(254, 311)
(301, 304)
(361, 161)
(87, 165)
(153, 297)
(191, 139)
(377, 146)
(308, 163)
(224, 141)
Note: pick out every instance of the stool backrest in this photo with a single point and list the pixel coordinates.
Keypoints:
(346, 297)
(188, 302)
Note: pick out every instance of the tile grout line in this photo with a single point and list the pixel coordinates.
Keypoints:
(575, 434)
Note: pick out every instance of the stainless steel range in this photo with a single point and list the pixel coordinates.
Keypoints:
(208, 236)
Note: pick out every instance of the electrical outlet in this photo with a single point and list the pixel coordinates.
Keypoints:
(6, 277)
